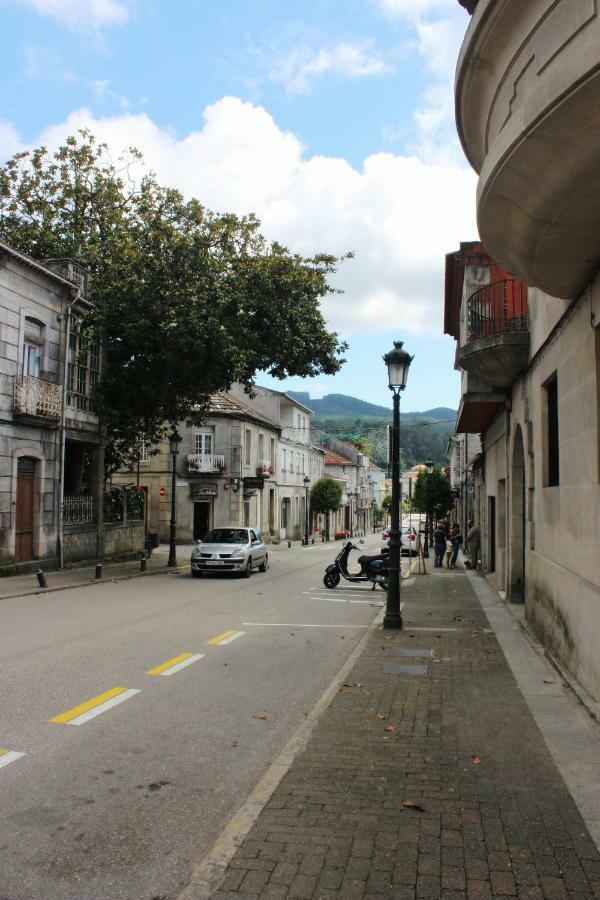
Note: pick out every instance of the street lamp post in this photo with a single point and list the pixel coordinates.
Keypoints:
(429, 464)
(306, 515)
(398, 363)
(174, 442)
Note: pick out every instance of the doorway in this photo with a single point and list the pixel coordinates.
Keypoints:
(517, 521)
(24, 515)
(201, 519)
(492, 532)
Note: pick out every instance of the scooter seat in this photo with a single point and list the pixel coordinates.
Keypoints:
(367, 559)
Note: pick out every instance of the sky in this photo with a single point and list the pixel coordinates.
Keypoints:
(331, 120)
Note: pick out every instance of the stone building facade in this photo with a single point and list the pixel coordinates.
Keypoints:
(51, 442)
(225, 473)
(526, 99)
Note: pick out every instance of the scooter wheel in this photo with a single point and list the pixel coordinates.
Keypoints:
(331, 579)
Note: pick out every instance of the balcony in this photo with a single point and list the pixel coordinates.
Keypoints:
(497, 345)
(37, 398)
(264, 468)
(527, 107)
(206, 463)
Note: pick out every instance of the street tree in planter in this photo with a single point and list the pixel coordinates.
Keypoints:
(432, 493)
(185, 301)
(325, 498)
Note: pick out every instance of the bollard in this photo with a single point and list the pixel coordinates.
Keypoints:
(143, 564)
(98, 570)
(313, 541)
(41, 578)
(289, 545)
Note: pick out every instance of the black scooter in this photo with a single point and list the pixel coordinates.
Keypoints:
(372, 568)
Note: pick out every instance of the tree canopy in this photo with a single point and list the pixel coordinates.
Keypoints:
(432, 493)
(325, 495)
(185, 301)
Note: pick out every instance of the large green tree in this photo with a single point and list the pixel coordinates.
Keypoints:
(185, 301)
(325, 498)
(432, 493)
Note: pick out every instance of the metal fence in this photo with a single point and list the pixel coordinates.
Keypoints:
(79, 509)
(497, 308)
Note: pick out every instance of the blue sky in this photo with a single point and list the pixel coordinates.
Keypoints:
(330, 119)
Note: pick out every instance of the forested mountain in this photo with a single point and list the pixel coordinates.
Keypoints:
(422, 434)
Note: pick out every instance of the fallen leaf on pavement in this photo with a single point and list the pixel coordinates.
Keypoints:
(411, 634)
(427, 759)
(258, 716)
(380, 716)
(349, 684)
(549, 681)
(391, 728)
(412, 804)
(475, 759)
(343, 637)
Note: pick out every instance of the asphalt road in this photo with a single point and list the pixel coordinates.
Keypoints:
(121, 799)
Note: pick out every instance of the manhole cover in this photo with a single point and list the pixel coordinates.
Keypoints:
(410, 651)
(394, 668)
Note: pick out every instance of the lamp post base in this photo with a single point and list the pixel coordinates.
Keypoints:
(392, 620)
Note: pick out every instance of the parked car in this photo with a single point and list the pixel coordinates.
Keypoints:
(409, 540)
(230, 549)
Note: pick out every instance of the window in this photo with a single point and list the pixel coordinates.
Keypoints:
(33, 341)
(143, 448)
(291, 460)
(261, 446)
(83, 371)
(283, 468)
(272, 457)
(552, 434)
(203, 443)
(248, 446)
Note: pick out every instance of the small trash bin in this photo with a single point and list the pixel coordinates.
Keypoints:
(153, 541)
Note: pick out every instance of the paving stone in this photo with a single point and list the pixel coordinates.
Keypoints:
(502, 826)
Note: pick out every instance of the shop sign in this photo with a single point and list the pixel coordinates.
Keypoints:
(204, 490)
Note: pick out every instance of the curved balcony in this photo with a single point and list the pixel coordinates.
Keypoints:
(497, 345)
(528, 110)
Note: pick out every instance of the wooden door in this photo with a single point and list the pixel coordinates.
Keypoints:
(24, 522)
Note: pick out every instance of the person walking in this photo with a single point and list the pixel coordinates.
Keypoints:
(439, 544)
(473, 543)
(457, 540)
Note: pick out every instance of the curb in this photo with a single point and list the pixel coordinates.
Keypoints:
(209, 873)
(88, 583)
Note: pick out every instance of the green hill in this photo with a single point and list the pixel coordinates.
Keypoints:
(422, 434)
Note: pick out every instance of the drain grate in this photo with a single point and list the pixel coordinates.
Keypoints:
(410, 651)
(394, 668)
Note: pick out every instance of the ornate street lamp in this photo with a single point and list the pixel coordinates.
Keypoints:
(306, 518)
(428, 524)
(174, 442)
(398, 363)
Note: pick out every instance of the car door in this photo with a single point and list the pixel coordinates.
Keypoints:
(258, 548)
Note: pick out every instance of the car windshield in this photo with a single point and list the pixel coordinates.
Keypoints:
(226, 536)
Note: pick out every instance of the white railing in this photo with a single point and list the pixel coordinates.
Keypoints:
(35, 397)
(206, 462)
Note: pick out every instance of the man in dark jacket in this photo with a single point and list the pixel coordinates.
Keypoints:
(439, 544)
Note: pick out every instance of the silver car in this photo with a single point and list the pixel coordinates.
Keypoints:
(230, 550)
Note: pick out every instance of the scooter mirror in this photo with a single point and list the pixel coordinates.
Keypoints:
(361, 541)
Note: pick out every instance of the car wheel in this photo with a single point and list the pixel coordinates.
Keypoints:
(248, 570)
(264, 564)
(196, 574)
(331, 579)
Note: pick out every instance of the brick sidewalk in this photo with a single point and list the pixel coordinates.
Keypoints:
(494, 818)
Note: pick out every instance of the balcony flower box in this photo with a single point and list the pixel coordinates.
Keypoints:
(264, 468)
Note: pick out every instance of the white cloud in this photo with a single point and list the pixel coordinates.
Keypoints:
(399, 214)
(82, 15)
(10, 141)
(102, 91)
(297, 69)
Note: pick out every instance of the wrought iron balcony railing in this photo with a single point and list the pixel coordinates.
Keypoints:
(497, 308)
(206, 462)
(36, 397)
